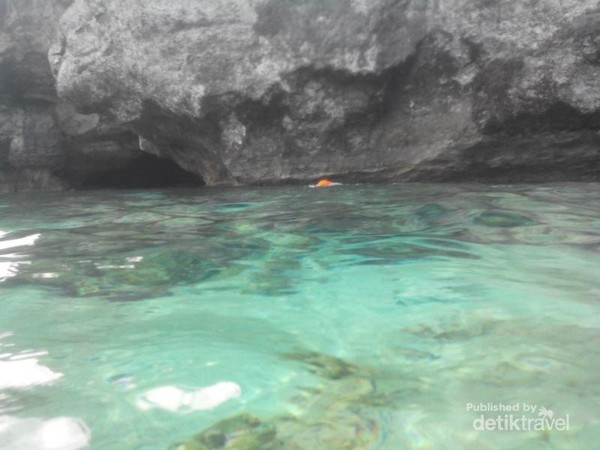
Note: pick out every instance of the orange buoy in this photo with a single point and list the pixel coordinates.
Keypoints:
(324, 182)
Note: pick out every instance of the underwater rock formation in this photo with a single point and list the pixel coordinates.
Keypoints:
(131, 278)
(338, 414)
(244, 91)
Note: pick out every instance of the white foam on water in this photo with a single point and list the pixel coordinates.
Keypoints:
(59, 433)
(171, 398)
(10, 269)
(25, 373)
(26, 241)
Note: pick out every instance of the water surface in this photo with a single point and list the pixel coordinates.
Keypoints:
(356, 317)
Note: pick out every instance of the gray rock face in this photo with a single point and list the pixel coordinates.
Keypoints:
(27, 29)
(41, 143)
(265, 91)
(30, 140)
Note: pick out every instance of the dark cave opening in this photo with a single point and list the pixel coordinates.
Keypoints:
(145, 172)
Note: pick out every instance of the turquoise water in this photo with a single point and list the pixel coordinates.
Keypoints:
(356, 317)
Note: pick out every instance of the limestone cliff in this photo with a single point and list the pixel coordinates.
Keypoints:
(267, 91)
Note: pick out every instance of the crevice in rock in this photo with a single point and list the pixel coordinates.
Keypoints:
(192, 143)
(566, 156)
(557, 117)
(145, 172)
(4, 155)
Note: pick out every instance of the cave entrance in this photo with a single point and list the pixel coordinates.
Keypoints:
(145, 172)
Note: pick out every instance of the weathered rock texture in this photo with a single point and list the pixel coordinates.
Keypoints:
(251, 91)
(30, 141)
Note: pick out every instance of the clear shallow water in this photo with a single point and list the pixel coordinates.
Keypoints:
(351, 318)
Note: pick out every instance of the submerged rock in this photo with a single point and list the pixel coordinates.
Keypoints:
(325, 366)
(500, 219)
(122, 279)
(241, 432)
(338, 414)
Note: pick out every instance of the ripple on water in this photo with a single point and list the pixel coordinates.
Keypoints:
(500, 219)
(360, 317)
